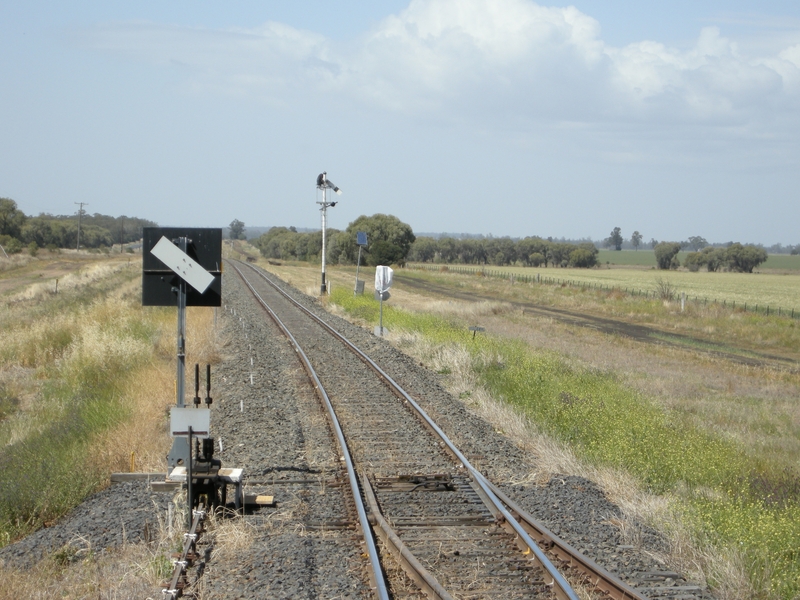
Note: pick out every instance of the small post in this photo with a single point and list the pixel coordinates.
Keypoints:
(380, 322)
(196, 385)
(208, 386)
(683, 301)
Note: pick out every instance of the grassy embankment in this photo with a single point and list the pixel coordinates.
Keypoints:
(86, 376)
(738, 502)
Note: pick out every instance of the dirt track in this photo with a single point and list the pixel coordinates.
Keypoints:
(639, 333)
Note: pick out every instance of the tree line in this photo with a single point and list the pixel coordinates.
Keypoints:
(734, 257)
(504, 251)
(18, 230)
(389, 241)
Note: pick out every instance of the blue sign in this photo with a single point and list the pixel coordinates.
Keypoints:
(361, 238)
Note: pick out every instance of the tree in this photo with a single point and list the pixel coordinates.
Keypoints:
(533, 251)
(395, 239)
(559, 253)
(653, 243)
(584, 256)
(714, 258)
(237, 230)
(272, 243)
(11, 218)
(636, 239)
(745, 258)
(615, 239)
(697, 243)
(693, 262)
(423, 250)
(665, 252)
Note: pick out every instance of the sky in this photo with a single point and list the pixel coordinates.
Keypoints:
(493, 117)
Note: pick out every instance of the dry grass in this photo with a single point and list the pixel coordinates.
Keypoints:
(145, 433)
(145, 393)
(79, 571)
(84, 277)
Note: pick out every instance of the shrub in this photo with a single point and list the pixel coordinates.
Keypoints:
(665, 252)
(693, 261)
(33, 248)
(664, 289)
(584, 256)
(12, 245)
(537, 259)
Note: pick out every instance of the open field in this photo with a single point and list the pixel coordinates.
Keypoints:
(751, 289)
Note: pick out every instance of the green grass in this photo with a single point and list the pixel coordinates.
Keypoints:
(84, 353)
(730, 497)
(645, 257)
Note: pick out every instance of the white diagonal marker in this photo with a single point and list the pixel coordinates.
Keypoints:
(183, 264)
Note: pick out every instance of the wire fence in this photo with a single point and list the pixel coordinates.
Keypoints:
(650, 294)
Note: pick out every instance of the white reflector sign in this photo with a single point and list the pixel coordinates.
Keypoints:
(383, 278)
(181, 418)
(182, 264)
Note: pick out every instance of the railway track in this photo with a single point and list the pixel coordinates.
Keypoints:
(455, 534)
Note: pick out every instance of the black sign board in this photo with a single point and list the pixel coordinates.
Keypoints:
(159, 281)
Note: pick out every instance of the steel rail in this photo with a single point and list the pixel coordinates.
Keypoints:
(376, 573)
(562, 589)
(606, 582)
(411, 565)
(599, 577)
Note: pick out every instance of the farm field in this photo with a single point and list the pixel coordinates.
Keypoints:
(754, 289)
(647, 258)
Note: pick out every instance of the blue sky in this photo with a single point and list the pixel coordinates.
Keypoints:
(502, 117)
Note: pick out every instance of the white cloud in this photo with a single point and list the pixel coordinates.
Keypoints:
(509, 59)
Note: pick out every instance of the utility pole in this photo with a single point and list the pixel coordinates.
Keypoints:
(80, 215)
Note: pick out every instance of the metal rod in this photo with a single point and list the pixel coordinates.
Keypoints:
(358, 264)
(189, 496)
(196, 384)
(208, 385)
(180, 376)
